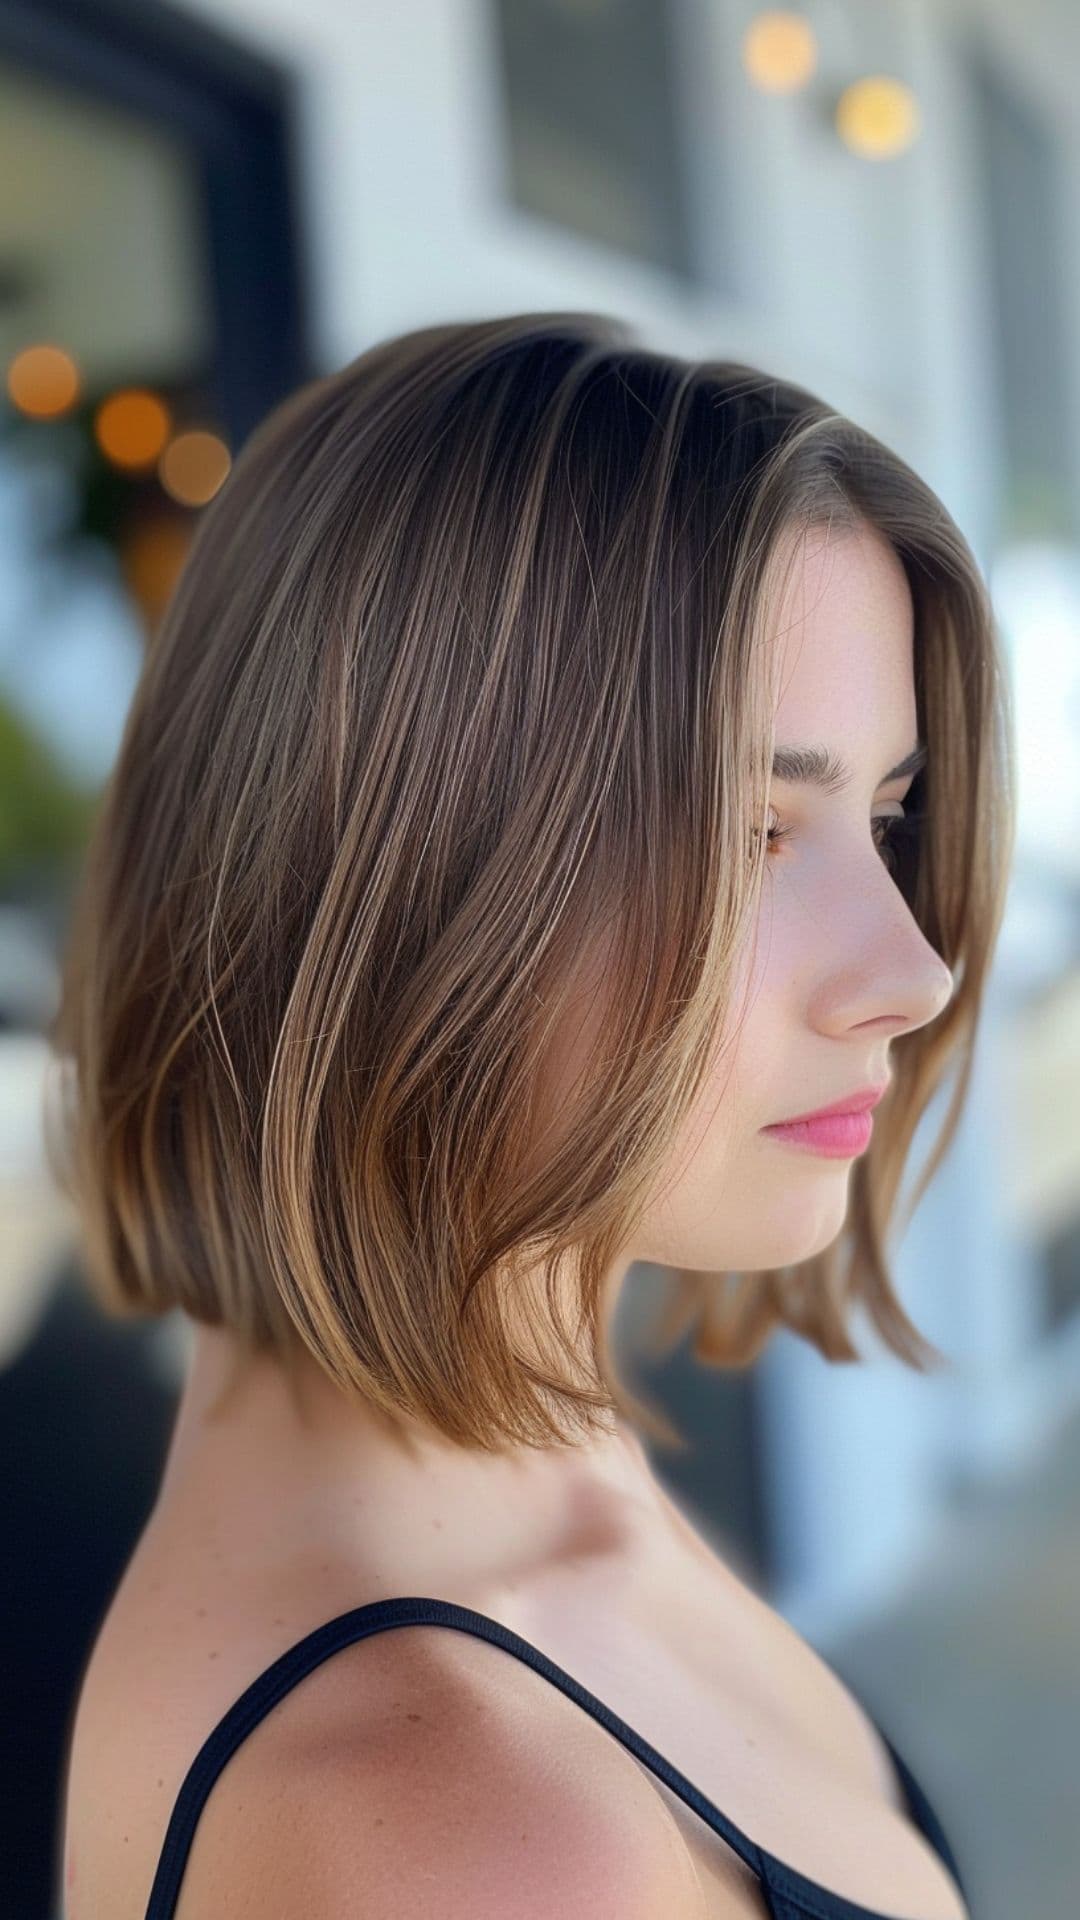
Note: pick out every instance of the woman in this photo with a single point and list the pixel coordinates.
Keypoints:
(478, 882)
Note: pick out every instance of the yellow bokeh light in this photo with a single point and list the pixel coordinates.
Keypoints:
(779, 52)
(193, 466)
(43, 381)
(877, 117)
(132, 426)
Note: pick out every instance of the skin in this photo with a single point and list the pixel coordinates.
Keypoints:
(837, 970)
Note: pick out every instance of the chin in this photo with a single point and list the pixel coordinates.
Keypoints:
(793, 1233)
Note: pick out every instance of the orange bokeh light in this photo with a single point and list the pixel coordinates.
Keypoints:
(151, 556)
(193, 466)
(43, 381)
(132, 426)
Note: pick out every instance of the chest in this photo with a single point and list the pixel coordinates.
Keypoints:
(735, 1699)
(712, 1678)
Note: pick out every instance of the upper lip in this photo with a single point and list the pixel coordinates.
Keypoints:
(857, 1102)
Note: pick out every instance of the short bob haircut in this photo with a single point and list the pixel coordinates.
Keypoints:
(466, 675)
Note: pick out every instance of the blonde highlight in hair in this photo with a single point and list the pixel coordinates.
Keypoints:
(465, 687)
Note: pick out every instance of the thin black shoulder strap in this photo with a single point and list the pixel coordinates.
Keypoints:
(922, 1812)
(292, 1666)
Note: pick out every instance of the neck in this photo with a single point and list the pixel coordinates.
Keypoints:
(277, 1471)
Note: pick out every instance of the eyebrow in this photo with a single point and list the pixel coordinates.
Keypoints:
(818, 767)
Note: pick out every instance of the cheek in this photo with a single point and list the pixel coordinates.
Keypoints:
(706, 1156)
(733, 1201)
(732, 1101)
(730, 1199)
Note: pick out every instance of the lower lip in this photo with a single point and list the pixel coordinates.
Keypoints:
(838, 1137)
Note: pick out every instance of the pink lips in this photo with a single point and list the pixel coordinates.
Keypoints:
(838, 1131)
(856, 1102)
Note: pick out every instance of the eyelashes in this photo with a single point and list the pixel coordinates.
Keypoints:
(903, 845)
(900, 835)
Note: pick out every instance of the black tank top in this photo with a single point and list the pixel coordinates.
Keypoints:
(788, 1895)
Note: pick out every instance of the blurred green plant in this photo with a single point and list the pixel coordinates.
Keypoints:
(45, 815)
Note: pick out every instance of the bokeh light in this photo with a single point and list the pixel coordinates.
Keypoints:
(779, 51)
(877, 117)
(132, 426)
(43, 381)
(193, 467)
(151, 557)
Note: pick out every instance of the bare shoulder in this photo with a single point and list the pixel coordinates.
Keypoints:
(446, 1796)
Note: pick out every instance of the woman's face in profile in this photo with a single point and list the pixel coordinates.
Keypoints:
(839, 967)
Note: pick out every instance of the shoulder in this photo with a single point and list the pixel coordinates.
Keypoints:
(448, 1796)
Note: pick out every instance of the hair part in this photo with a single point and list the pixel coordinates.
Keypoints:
(465, 685)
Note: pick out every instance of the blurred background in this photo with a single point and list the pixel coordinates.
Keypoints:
(201, 207)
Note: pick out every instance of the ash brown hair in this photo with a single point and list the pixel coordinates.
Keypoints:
(465, 679)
